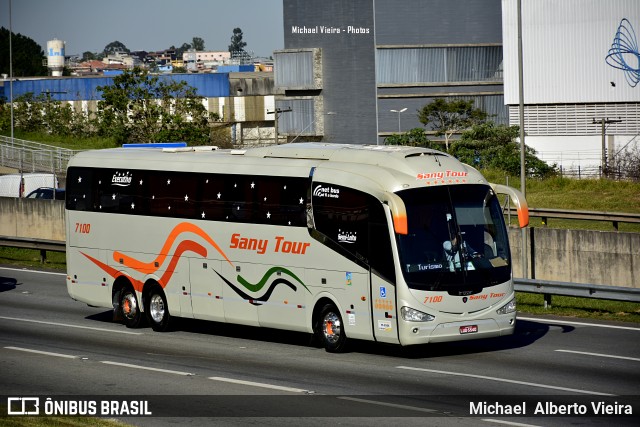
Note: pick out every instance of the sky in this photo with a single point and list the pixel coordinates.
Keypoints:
(150, 25)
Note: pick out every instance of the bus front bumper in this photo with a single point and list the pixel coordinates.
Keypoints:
(430, 332)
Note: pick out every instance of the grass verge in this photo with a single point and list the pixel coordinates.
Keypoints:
(584, 308)
(31, 258)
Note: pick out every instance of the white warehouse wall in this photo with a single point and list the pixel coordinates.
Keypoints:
(565, 44)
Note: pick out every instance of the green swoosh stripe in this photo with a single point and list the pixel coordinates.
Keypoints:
(256, 287)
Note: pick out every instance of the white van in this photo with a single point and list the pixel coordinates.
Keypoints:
(10, 184)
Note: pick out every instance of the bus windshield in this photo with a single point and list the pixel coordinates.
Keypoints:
(456, 240)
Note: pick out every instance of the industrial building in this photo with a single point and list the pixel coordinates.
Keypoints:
(358, 71)
(581, 72)
(242, 100)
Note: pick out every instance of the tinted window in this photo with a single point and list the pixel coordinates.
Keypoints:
(356, 222)
(238, 198)
(456, 238)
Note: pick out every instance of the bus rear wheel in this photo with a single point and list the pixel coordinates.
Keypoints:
(129, 308)
(330, 330)
(157, 310)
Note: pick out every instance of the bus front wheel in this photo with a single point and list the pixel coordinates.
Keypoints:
(129, 308)
(331, 331)
(157, 310)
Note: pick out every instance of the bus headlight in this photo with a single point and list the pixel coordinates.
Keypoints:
(510, 307)
(411, 315)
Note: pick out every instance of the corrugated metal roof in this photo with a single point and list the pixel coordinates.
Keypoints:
(86, 88)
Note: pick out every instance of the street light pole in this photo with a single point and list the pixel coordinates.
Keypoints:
(523, 169)
(399, 111)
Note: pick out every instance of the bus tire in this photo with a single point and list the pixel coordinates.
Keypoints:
(157, 310)
(129, 308)
(330, 329)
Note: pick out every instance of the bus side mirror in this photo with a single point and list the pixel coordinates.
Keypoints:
(398, 211)
(518, 200)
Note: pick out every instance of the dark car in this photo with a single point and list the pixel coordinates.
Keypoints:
(47, 193)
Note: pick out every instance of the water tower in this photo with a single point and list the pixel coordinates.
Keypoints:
(55, 57)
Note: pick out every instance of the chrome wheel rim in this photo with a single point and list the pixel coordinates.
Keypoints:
(129, 305)
(331, 327)
(156, 308)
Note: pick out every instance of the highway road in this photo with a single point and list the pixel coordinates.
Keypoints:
(204, 373)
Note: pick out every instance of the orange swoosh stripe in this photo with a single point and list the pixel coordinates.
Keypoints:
(187, 245)
(152, 267)
(114, 272)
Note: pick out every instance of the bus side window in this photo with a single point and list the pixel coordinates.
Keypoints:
(79, 194)
(342, 214)
(357, 222)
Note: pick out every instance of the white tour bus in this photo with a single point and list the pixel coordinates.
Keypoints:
(394, 244)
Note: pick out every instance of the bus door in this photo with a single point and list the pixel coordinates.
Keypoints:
(354, 224)
(384, 299)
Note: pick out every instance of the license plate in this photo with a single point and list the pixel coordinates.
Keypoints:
(470, 329)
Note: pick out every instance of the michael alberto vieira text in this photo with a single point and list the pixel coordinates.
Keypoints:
(550, 408)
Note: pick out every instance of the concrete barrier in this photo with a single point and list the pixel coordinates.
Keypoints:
(34, 218)
(580, 256)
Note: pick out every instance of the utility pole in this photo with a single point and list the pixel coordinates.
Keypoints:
(277, 112)
(603, 126)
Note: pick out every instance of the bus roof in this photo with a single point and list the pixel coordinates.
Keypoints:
(391, 167)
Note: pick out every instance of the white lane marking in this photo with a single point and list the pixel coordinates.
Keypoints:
(42, 322)
(509, 423)
(33, 271)
(147, 368)
(391, 405)
(255, 384)
(44, 353)
(504, 380)
(635, 359)
(564, 322)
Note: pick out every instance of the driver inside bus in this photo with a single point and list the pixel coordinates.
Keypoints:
(452, 248)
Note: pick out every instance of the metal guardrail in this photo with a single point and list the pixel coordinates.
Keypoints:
(583, 290)
(30, 156)
(43, 245)
(614, 217)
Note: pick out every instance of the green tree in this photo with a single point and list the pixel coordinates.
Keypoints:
(416, 137)
(5, 116)
(490, 146)
(115, 47)
(450, 117)
(27, 112)
(43, 114)
(89, 56)
(140, 107)
(197, 43)
(27, 55)
(237, 45)
(180, 50)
